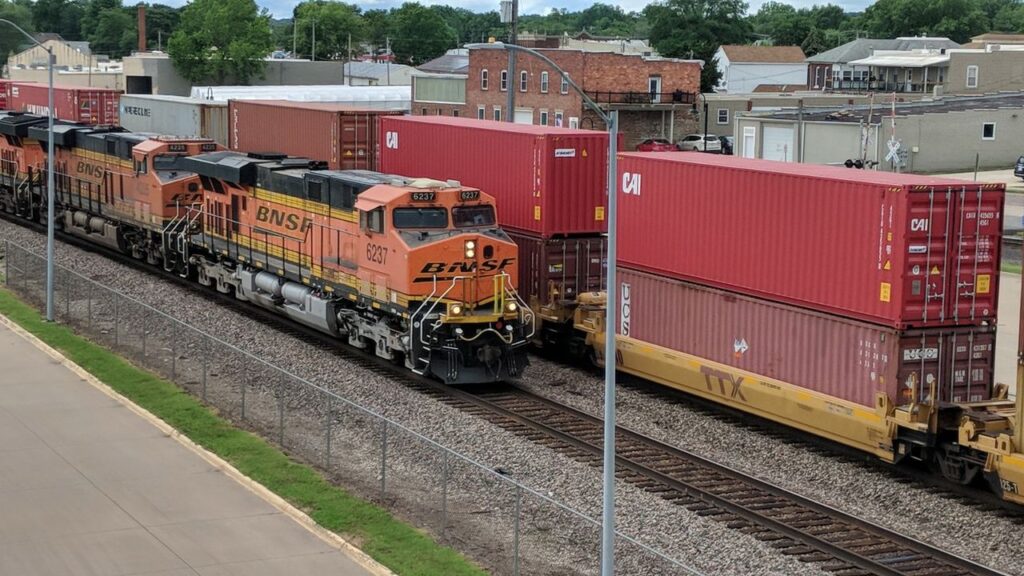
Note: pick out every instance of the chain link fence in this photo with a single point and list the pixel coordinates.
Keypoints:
(506, 526)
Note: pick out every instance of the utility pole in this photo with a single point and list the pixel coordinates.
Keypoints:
(387, 54)
(510, 16)
(314, 41)
(295, 37)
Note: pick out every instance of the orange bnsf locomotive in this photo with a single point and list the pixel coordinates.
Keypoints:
(417, 270)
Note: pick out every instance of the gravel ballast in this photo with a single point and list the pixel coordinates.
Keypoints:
(479, 522)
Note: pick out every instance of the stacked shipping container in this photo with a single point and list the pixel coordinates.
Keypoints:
(550, 185)
(175, 116)
(97, 106)
(344, 137)
(841, 281)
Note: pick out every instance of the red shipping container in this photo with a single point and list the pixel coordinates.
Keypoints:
(836, 356)
(99, 106)
(553, 271)
(547, 181)
(343, 136)
(894, 249)
(5, 93)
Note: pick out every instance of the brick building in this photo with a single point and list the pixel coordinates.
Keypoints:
(654, 96)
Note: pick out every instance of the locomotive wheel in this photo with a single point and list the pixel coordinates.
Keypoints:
(954, 468)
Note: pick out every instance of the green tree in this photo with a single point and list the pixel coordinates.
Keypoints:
(815, 42)
(59, 16)
(956, 19)
(115, 33)
(1009, 19)
(92, 9)
(218, 38)
(420, 34)
(378, 26)
(335, 23)
(680, 28)
(11, 41)
(161, 22)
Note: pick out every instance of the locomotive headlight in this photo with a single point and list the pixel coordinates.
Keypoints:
(511, 307)
(470, 253)
(455, 310)
(470, 248)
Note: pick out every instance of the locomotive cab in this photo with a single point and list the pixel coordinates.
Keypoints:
(459, 272)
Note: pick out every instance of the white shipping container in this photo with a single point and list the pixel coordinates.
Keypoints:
(373, 97)
(175, 116)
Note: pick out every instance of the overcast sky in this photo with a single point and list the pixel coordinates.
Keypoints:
(283, 8)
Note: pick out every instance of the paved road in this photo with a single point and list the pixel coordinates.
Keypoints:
(90, 488)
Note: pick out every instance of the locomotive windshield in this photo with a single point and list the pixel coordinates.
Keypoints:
(405, 218)
(470, 216)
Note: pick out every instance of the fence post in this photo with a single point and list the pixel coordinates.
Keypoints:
(245, 384)
(383, 458)
(67, 295)
(206, 363)
(444, 494)
(515, 532)
(88, 307)
(143, 340)
(327, 427)
(174, 349)
(280, 414)
(7, 262)
(117, 321)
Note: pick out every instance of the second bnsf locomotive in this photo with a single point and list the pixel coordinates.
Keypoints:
(416, 270)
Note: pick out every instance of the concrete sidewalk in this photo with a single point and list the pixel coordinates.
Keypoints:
(88, 486)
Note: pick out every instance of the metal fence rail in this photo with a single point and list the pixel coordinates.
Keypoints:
(514, 530)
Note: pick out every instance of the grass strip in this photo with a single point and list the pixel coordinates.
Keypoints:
(1010, 268)
(393, 543)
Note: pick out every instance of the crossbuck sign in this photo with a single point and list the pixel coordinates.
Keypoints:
(894, 151)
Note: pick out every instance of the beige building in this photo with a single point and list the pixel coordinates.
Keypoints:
(995, 68)
(154, 73)
(67, 54)
(946, 135)
(98, 78)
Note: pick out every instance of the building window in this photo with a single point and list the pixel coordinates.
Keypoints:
(497, 113)
(972, 76)
(565, 85)
(483, 79)
(723, 115)
(438, 111)
(423, 112)
(543, 83)
(543, 116)
(558, 118)
(481, 112)
(574, 122)
(523, 79)
(988, 131)
(455, 112)
(504, 81)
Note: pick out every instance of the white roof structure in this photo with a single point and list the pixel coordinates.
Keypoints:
(903, 59)
(381, 97)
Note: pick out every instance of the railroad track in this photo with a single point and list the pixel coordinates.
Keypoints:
(797, 526)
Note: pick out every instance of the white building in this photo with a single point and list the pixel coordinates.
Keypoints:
(743, 68)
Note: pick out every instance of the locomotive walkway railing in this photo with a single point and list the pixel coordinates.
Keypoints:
(453, 496)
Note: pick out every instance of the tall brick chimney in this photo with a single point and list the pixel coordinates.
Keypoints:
(142, 27)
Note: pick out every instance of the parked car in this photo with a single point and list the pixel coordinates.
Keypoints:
(727, 144)
(656, 145)
(1018, 170)
(701, 143)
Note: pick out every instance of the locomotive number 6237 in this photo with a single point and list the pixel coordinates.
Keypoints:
(377, 253)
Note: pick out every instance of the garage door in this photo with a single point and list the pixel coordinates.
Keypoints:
(778, 143)
(524, 116)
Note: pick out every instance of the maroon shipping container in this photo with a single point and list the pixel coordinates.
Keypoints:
(836, 356)
(5, 93)
(343, 136)
(899, 250)
(554, 271)
(98, 106)
(547, 181)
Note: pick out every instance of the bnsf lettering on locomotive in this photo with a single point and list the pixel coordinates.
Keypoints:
(465, 267)
(90, 169)
(287, 221)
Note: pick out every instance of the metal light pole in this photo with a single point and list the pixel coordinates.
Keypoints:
(510, 16)
(611, 119)
(49, 171)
